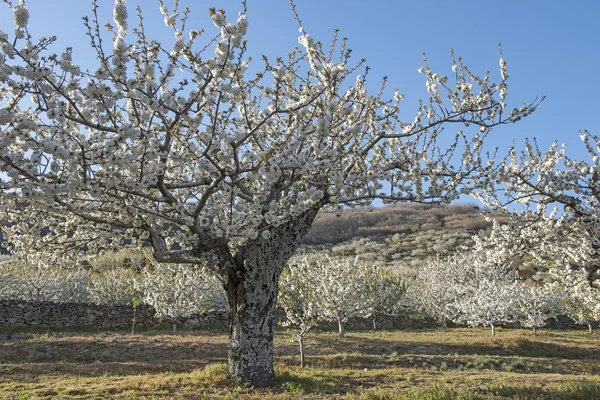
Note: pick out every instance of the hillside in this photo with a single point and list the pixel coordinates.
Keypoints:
(401, 235)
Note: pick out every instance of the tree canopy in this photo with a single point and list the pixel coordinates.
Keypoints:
(176, 145)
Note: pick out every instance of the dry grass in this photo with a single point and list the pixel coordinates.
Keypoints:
(458, 364)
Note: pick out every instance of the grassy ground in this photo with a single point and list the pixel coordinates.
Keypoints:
(458, 364)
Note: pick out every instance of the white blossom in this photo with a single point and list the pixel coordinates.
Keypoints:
(120, 16)
(20, 15)
(171, 20)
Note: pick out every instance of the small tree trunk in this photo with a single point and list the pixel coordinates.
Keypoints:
(341, 328)
(534, 330)
(590, 328)
(374, 323)
(493, 330)
(301, 341)
(443, 325)
(133, 320)
(174, 327)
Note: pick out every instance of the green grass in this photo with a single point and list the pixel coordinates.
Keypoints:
(457, 364)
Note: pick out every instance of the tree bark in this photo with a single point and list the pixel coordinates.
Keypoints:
(493, 330)
(590, 328)
(252, 284)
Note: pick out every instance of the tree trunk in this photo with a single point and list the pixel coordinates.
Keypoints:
(590, 328)
(442, 324)
(252, 284)
(493, 330)
(341, 328)
(133, 320)
(251, 331)
(301, 341)
(534, 330)
(374, 323)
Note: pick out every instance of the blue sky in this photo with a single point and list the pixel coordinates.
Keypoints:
(552, 47)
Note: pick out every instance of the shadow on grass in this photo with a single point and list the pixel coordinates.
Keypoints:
(307, 381)
(32, 372)
(521, 347)
(94, 355)
(497, 346)
(518, 352)
(102, 353)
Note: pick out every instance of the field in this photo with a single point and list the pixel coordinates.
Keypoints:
(457, 364)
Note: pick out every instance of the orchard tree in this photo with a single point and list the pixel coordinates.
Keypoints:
(388, 294)
(113, 275)
(490, 296)
(559, 245)
(536, 305)
(112, 286)
(470, 288)
(33, 279)
(6, 271)
(491, 302)
(343, 287)
(299, 298)
(178, 291)
(176, 145)
(521, 238)
(438, 286)
(552, 179)
(581, 301)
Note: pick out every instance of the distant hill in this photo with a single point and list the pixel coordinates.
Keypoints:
(402, 235)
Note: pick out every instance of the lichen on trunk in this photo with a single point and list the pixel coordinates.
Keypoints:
(252, 328)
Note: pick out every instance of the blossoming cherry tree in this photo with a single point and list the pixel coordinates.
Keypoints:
(177, 145)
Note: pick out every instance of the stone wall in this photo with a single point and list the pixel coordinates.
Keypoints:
(22, 314)
(17, 313)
